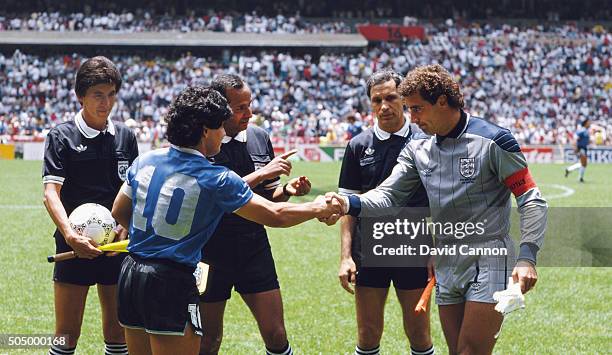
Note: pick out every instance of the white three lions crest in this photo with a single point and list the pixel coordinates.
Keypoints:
(122, 167)
(467, 167)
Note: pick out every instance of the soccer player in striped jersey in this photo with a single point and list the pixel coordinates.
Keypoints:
(469, 168)
(172, 201)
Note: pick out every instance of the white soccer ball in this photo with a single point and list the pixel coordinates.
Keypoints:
(93, 221)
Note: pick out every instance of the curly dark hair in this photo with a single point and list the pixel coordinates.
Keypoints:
(95, 71)
(194, 109)
(382, 76)
(432, 81)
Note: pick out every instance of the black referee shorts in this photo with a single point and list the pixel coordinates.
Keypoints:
(158, 296)
(404, 278)
(103, 270)
(410, 277)
(244, 262)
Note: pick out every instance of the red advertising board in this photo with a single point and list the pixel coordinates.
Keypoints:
(538, 155)
(278, 150)
(312, 154)
(390, 32)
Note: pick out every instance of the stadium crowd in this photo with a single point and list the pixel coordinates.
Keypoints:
(233, 21)
(144, 21)
(538, 82)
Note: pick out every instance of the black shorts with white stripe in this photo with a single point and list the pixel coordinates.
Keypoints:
(174, 304)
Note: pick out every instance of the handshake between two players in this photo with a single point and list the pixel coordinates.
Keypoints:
(337, 204)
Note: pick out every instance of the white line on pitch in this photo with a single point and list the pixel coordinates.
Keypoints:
(567, 191)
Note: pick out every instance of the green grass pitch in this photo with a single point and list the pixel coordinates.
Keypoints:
(568, 312)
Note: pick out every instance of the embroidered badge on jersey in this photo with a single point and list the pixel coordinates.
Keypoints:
(122, 167)
(467, 169)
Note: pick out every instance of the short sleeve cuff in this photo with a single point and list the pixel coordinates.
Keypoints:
(247, 197)
(273, 185)
(126, 190)
(53, 179)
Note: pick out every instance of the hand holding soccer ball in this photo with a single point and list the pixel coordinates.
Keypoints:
(93, 225)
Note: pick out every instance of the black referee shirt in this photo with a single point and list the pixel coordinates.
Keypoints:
(368, 160)
(248, 151)
(90, 165)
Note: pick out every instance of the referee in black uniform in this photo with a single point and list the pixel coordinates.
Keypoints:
(239, 253)
(368, 160)
(86, 160)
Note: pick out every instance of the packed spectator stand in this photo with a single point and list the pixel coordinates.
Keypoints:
(269, 16)
(539, 81)
(144, 21)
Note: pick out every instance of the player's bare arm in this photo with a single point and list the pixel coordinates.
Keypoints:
(122, 209)
(284, 214)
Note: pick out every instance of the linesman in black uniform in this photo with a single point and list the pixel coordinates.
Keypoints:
(86, 160)
(239, 252)
(368, 160)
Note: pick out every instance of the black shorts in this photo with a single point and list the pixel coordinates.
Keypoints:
(158, 296)
(103, 270)
(582, 151)
(404, 278)
(244, 262)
